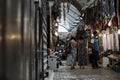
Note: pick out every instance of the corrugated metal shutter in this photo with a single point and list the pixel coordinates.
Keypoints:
(44, 53)
(41, 51)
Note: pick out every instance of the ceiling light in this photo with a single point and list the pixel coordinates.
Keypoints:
(56, 24)
(81, 18)
(82, 15)
(118, 31)
(76, 21)
(110, 23)
(56, 33)
(74, 24)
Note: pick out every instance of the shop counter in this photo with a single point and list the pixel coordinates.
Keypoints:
(115, 62)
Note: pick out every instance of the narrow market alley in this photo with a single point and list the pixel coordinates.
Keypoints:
(59, 39)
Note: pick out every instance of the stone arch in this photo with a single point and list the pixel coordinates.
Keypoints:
(75, 3)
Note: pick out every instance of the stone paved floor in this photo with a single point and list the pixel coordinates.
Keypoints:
(65, 73)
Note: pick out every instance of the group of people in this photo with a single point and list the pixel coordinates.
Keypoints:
(77, 51)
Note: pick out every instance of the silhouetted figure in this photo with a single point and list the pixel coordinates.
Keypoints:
(82, 52)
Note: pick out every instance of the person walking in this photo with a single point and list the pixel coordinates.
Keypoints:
(71, 57)
(82, 52)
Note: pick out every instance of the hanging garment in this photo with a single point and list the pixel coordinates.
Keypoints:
(116, 41)
(109, 46)
(112, 41)
(104, 41)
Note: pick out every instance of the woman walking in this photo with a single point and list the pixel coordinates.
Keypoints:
(71, 58)
(82, 52)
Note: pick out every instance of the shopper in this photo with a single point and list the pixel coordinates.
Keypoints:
(82, 52)
(95, 50)
(71, 57)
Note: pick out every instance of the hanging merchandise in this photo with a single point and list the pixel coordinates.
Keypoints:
(64, 15)
(68, 5)
(89, 16)
(105, 8)
(109, 46)
(108, 43)
(104, 41)
(111, 7)
(116, 41)
(115, 20)
(56, 9)
(112, 41)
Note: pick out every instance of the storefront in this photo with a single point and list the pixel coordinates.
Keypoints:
(104, 18)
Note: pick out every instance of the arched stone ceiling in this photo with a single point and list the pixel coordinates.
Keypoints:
(75, 3)
(79, 4)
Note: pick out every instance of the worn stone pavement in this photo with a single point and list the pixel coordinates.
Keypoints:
(65, 73)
